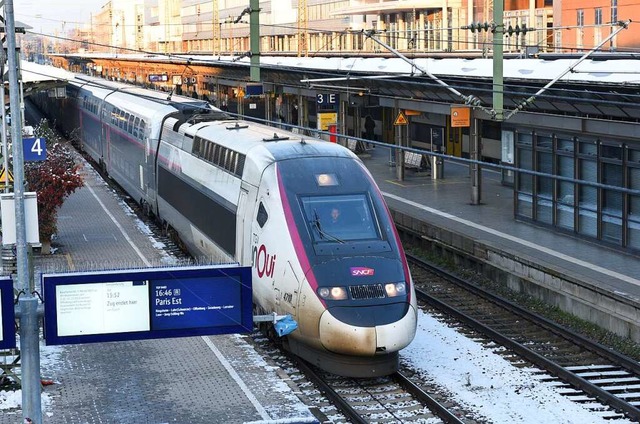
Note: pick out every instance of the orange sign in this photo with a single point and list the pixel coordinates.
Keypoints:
(401, 119)
(460, 116)
(410, 112)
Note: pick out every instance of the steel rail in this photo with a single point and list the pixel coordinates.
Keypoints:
(435, 406)
(535, 358)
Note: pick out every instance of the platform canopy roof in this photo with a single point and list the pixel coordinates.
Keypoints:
(36, 77)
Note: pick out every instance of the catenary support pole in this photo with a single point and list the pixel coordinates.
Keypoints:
(498, 64)
(254, 35)
(476, 170)
(27, 303)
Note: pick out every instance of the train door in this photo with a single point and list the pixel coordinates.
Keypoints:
(291, 291)
(105, 141)
(243, 234)
(262, 244)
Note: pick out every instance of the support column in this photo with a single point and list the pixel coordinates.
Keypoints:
(476, 171)
(28, 303)
(342, 121)
(254, 33)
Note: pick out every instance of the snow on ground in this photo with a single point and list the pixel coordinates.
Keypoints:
(478, 378)
(485, 382)
(11, 401)
(481, 380)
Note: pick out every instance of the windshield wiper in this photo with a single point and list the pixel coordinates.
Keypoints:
(323, 234)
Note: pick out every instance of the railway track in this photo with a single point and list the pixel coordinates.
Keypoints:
(333, 399)
(587, 372)
(582, 370)
(398, 398)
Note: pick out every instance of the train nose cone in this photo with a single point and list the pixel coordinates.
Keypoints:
(339, 337)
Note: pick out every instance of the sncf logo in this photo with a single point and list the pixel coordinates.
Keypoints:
(361, 271)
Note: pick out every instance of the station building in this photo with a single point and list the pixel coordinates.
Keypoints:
(324, 27)
(572, 155)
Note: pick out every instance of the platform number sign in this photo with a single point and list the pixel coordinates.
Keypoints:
(326, 98)
(35, 149)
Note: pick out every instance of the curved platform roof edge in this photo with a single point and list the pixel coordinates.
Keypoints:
(611, 71)
(40, 77)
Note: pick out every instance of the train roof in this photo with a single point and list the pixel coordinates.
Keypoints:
(144, 102)
(279, 144)
(152, 95)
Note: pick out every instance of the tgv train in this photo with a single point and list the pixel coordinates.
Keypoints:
(238, 191)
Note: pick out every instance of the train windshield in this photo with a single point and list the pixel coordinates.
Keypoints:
(339, 219)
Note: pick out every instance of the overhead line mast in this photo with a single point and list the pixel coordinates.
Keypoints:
(215, 34)
(303, 42)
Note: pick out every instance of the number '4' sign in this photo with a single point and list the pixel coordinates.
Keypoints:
(34, 149)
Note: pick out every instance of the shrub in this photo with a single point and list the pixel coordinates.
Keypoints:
(53, 179)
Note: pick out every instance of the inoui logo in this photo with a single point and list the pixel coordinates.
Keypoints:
(263, 262)
(361, 271)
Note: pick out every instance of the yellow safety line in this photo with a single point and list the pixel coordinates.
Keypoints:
(70, 262)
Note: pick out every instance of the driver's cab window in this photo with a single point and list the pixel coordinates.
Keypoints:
(340, 218)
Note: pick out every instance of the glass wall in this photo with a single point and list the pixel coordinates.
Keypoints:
(524, 182)
(565, 195)
(633, 213)
(561, 195)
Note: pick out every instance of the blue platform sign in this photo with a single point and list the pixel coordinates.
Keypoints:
(146, 304)
(34, 149)
(7, 314)
(327, 100)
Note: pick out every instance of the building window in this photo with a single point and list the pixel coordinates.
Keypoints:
(598, 17)
(580, 17)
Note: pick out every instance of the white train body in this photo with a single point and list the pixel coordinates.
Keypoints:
(238, 191)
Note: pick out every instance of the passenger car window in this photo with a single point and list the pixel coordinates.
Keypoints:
(135, 127)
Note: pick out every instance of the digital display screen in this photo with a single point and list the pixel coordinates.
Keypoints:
(99, 308)
(154, 303)
(1, 320)
(193, 303)
(7, 314)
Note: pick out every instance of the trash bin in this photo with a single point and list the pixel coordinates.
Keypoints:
(437, 167)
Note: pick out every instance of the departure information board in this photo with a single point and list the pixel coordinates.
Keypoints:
(7, 314)
(145, 304)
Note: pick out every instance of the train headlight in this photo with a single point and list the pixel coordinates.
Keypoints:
(395, 289)
(332, 293)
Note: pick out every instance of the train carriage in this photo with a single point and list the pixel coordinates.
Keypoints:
(237, 191)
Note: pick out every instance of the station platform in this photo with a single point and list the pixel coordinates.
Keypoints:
(208, 379)
(221, 379)
(589, 280)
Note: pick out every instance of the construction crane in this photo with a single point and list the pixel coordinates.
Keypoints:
(303, 42)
